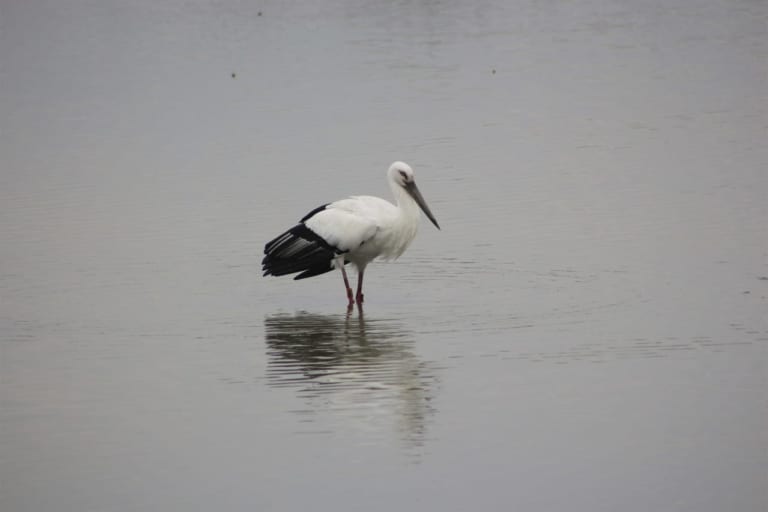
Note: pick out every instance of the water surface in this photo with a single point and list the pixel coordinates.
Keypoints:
(588, 331)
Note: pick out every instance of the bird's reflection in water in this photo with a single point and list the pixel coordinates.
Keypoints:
(361, 368)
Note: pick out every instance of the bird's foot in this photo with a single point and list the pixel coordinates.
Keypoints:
(350, 297)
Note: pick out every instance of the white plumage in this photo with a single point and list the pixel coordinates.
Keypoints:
(354, 230)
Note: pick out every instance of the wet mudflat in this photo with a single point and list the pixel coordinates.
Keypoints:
(588, 331)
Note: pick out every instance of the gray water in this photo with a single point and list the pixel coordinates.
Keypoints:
(588, 331)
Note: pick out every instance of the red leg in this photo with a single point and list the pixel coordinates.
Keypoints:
(346, 285)
(359, 296)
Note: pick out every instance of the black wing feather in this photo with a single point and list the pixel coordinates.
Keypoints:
(299, 250)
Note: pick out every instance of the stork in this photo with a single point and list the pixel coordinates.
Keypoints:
(354, 230)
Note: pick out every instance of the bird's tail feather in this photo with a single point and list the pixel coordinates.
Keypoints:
(298, 250)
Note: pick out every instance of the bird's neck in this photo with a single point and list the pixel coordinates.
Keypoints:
(407, 223)
(408, 209)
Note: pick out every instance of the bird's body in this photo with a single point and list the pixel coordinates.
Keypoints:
(355, 230)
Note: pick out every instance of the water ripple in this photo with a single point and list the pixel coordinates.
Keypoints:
(362, 369)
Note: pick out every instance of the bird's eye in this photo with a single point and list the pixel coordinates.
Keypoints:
(404, 175)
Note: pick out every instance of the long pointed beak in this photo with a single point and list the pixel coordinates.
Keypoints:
(413, 191)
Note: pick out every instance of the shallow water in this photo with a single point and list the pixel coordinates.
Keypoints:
(588, 331)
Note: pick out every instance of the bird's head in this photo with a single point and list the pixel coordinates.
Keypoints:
(401, 175)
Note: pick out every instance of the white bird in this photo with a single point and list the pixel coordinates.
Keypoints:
(354, 230)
